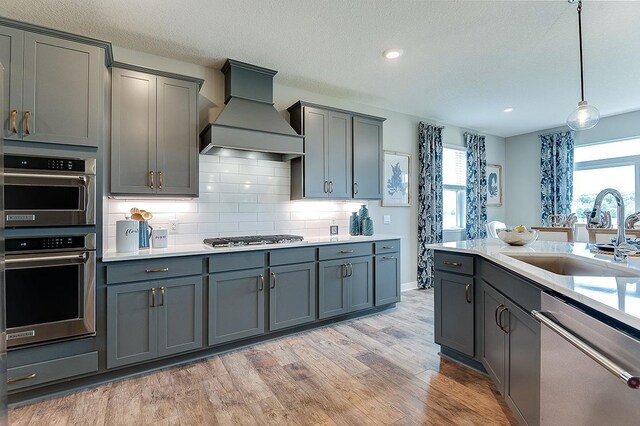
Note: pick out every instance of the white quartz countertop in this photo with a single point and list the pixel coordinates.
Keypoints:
(617, 297)
(202, 249)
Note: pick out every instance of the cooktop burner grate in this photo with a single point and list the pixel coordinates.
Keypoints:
(252, 240)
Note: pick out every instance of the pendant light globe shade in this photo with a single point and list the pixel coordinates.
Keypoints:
(584, 117)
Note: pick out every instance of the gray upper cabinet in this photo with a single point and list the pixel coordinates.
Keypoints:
(54, 89)
(153, 134)
(11, 54)
(133, 132)
(155, 318)
(340, 146)
(236, 305)
(367, 152)
(292, 295)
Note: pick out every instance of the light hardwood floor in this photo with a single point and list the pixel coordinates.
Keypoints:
(379, 370)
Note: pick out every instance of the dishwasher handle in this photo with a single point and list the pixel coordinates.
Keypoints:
(630, 380)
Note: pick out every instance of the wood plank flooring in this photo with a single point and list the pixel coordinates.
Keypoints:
(378, 370)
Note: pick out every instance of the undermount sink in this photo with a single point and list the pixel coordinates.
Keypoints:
(564, 265)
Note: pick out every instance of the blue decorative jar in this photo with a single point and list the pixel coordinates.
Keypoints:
(367, 227)
(362, 215)
(354, 224)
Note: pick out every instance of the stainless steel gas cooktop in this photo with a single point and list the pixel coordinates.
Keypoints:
(251, 240)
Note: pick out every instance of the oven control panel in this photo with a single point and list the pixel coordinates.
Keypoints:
(25, 244)
(43, 163)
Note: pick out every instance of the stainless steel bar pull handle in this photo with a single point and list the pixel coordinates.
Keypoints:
(162, 296)
(630, 380)
(345, 270)
(330, 186)
(261, 282)
(388, 247)
(346, 251)
(355, 188)
(27, 114)
(349, 269)
(153, 297)
(326, 187)
(22, 379)
(388, 257)
(151, 271)
(14, 127)
(47, 258)
(273, 280)
(455, 264)
(41, 176)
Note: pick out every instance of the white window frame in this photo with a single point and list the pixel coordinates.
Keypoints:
(461, 199)
(632, 160)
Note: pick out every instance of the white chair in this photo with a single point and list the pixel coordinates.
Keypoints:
(554, 233)
(492, 228)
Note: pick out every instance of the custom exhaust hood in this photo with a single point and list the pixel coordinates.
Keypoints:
(249, 126)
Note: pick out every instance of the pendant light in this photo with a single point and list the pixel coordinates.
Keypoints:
(585, 116)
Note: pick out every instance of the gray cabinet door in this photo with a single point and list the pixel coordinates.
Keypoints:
(133, 132)
(62, 91)
(11, 54)
(292, 295)
(454, 312)
(132, 323)
(177, 123)
(387, 279)
(332, 291)
(236, 305)
(316, 127)
(180, 315)
(367, 158)
(522, 387)
(339, 152)
(360, 283)
(494, 346)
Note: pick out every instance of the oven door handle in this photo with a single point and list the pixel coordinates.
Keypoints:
(82, 256)
(45, 176)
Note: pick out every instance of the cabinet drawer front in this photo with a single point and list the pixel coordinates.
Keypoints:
(289, 256)
(449, 262)
(142, 270)
(390, 246)
(340, 251)
(236, 261)
(48, 371)
(517, 289)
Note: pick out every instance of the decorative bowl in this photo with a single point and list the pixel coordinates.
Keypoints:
(517, 238)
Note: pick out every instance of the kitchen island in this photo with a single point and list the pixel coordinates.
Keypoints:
(556, 327)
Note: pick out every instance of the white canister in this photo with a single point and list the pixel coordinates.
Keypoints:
(160, 238)
(126, 236)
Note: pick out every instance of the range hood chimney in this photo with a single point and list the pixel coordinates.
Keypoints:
(249, 126)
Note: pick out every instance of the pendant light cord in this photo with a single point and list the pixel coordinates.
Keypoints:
(580, 37)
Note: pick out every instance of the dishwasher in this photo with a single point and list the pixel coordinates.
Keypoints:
(589, 370)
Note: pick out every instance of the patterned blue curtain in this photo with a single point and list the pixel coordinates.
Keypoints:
(476, 187)
(429, 199)
(556, 174)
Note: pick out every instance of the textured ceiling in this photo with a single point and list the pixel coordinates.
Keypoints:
(463, 62)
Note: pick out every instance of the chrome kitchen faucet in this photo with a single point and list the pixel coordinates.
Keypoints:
(621, 248)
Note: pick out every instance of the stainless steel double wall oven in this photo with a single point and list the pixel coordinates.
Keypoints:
(50, 278)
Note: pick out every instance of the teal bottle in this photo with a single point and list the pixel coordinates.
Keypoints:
(367, 227)
(354, 224)
(362, 215)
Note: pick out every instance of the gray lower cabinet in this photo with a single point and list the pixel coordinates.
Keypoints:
(367, 152)
(345, 285)
(54, 89)
(454, 312)
(292, 295)
(511, 354)
(236, 305)
(387, 279)
(155, 318)
(153, 134)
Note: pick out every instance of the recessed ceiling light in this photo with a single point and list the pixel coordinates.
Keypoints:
(392, 53)
(509, 109)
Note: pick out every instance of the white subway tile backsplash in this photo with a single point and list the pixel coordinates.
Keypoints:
(237, 197)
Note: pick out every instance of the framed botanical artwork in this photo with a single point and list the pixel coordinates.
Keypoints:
(396, 188)
(494, 185)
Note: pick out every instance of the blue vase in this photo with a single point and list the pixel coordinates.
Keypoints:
(362, 215)
(354, 224)
(367, 227)
(144, 234)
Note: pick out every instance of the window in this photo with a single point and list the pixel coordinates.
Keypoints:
(454, 183)
(606, 165)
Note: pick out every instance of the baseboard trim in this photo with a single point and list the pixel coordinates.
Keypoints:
(411, 285)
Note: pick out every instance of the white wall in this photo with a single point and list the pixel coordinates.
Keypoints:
(199, 218)
(523, 156)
